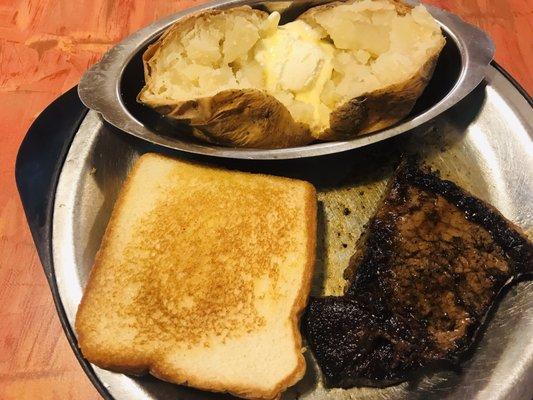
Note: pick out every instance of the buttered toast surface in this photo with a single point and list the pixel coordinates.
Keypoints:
(201, 277)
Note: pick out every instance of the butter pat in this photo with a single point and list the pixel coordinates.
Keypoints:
(296, 60)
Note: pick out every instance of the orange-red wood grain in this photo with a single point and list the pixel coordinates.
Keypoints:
(45, 45)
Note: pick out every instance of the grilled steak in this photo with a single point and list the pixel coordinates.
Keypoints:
(426, 272)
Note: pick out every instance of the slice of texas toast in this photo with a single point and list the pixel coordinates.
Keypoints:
(201, 278)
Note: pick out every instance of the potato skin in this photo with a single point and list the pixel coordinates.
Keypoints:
(242, 118)
(182, 25)
(380, 109)
(253, 118)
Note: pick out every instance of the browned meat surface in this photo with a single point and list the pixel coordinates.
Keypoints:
(427, 270)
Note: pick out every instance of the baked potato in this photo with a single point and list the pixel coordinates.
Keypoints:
(339, 70)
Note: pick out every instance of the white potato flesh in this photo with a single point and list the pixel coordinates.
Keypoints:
(311, 67)
(240, 37)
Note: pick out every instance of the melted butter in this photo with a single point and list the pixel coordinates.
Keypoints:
(296, 60)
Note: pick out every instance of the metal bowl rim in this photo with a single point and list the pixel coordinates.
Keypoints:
(99, 88)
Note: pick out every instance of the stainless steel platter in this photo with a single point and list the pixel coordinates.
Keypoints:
(111, 86)
(484, 143)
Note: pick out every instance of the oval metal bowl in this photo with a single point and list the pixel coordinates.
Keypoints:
(110, 87)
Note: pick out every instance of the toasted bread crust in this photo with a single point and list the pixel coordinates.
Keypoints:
(80, 327)
(140, 364)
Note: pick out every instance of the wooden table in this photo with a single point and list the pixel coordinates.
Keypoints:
(45, 46)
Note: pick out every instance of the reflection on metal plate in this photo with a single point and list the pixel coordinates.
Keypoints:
(484, 144)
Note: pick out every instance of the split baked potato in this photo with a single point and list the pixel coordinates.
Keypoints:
(340, 70)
